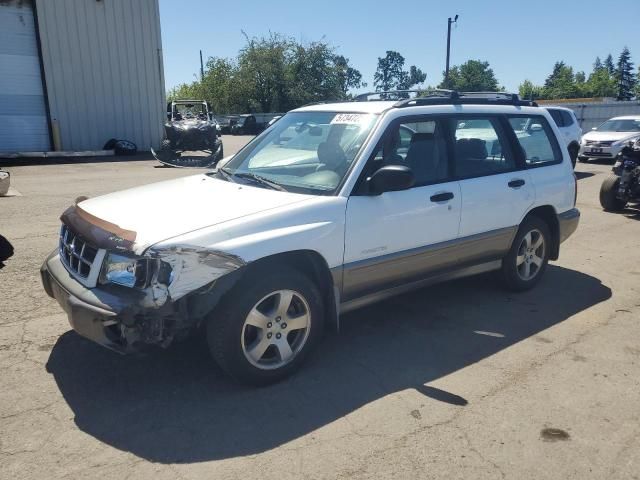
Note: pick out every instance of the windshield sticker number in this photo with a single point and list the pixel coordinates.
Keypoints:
(349, 119)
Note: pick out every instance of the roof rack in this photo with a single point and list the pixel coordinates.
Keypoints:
(396, 94)
(453, 97)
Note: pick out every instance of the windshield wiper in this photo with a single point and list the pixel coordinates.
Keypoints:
(260, 180)
(226, 174)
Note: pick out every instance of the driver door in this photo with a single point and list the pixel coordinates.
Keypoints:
(398, 237)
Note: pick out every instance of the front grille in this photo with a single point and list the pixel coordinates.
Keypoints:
(594, 143)
(76, 253)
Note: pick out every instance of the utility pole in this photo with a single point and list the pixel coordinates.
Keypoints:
(202, 66)
(446, 70)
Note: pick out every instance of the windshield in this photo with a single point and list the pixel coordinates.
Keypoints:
(189, 110)
(626, 125)
(308, 152)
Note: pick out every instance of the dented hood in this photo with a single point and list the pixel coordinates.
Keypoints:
(160, 211)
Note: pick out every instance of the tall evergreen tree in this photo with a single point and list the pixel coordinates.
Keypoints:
(608, 63)
(625, 76)
(597, 65)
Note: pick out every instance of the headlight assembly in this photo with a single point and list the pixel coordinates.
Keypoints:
(126, 271)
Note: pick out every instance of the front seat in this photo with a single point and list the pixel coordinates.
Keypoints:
(471, 154)
(332, 157)
(424, 158)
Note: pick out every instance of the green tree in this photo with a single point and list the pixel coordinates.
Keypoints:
(625, 76)
(347, 76)
(414, 76)
(530, 91)
(597, 65)
(273, 73)
(601, 84)
(609, 65)
(390, 74)
(262, 69)
(471, 76)
(561, 83)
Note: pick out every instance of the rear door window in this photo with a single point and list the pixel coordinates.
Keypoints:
(537, 141)
(480, 147)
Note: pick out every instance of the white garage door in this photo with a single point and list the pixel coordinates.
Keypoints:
(23, 118)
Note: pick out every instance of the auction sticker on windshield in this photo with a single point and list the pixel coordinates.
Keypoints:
(351, 119)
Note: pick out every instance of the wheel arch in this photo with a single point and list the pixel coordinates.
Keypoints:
(312, 263)
(547, 214)
(309, 262)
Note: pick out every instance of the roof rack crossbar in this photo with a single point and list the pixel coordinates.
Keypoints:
(364, 97)
(449, 97)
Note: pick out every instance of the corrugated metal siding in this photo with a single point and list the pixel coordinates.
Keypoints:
(104, 73)
(23, 117)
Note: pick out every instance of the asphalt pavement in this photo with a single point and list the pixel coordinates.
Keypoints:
(459, 380)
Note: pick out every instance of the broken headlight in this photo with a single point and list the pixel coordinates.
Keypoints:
(126, 271)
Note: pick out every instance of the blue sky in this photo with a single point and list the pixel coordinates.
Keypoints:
(519, 39)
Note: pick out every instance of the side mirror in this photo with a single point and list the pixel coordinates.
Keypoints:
(536, 127)
(390, 178)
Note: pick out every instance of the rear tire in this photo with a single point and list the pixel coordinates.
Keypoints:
(526, 262)
(608, 198)
(264, 328)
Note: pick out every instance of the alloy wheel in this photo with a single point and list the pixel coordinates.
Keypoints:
(276, 329)
(531, 254)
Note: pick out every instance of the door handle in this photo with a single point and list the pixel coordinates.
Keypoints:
(516, 183)
(441, 197)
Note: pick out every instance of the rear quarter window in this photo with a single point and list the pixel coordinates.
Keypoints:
(567, 118)
(557, 117)
(538, 143)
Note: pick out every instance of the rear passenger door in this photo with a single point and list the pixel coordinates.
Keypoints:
(496, 189)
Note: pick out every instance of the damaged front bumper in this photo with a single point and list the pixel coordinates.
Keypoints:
(112, 316)
(181, 286)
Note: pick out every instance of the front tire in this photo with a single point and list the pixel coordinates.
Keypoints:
(608, 194)
(527, 260)
(265, 327)
(573, 154)
(582, 159)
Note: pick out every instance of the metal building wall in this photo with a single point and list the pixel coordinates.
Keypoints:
(103, 69)
(593, 114)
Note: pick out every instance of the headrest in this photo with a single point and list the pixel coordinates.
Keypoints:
(422, 137)
(331, 154)
(471, 148)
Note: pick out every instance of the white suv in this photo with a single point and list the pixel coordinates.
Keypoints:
(569, 127)
(335, 206)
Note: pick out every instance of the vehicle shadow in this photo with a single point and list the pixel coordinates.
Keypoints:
(176, 406)
(581, 175)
